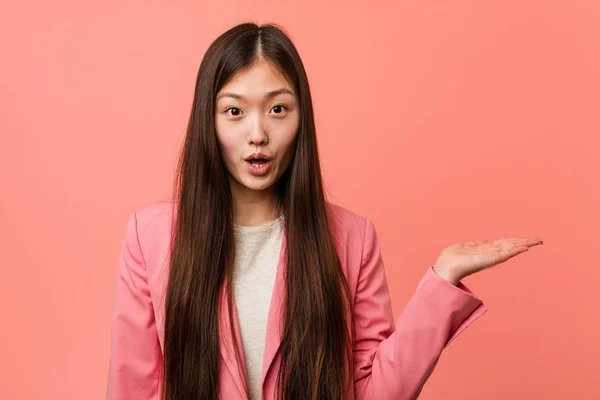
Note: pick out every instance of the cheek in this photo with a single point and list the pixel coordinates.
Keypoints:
(227, 149)
(287, 134)
(287, 147)
(228, 143)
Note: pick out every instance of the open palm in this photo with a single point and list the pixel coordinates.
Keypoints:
(460, 260)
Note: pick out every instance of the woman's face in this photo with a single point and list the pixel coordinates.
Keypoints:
(256, 112)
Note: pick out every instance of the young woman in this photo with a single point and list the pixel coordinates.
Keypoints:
(249, 284)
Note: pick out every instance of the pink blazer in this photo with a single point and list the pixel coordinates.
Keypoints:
(392, 359)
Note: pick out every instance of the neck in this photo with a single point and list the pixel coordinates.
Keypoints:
(253, 207)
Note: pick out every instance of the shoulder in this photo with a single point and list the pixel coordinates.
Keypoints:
(156, 219)
(155, 215)
(348, 224)
(356, 242)
(153, 224)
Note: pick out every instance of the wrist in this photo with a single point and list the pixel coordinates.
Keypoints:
(446, 274)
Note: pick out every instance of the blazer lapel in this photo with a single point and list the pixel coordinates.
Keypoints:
(275, 321)
(273, 330)
(226, 340)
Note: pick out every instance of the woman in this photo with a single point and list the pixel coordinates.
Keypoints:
(250, 284)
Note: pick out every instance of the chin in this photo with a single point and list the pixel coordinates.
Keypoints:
(258, 186)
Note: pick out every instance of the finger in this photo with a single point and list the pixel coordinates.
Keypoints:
(529, 242)
(516, 247)
(475, 243)
(508, 253)
(517, 242)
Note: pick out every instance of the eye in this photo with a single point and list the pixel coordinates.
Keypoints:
(234, 111)
(279, 109)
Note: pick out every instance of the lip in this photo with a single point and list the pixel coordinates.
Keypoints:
(258, 155)
(259, 170)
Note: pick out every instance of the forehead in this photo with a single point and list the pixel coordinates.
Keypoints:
(260, 78)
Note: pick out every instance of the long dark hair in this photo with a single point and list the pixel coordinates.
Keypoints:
(316, 350)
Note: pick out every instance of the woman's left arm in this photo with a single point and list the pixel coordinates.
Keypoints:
(393, 359)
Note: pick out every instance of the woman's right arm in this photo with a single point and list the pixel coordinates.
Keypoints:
(135, 354)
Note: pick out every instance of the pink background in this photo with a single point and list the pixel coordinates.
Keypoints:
(442, 121)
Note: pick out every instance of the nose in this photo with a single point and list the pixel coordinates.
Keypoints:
(258, 135)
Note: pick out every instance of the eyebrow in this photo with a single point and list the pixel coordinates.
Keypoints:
(268, 95)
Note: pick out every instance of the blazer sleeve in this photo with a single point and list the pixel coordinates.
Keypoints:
(393, 360)
(135, 355)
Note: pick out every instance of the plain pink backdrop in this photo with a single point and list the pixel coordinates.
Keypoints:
(442, 121)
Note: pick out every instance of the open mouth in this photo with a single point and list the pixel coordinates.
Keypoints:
(257, 162)
(258, 166)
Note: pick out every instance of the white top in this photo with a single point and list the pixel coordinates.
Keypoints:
(257, 254)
